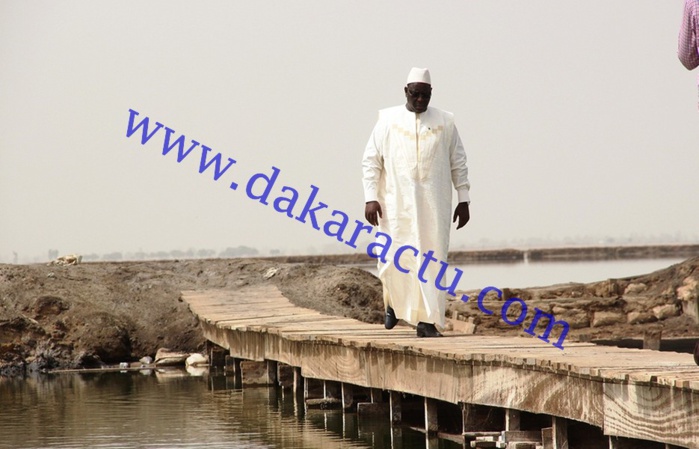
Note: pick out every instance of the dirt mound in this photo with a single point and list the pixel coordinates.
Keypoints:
(350, 292)
(104, 313)
(65, 316)
(664, 301)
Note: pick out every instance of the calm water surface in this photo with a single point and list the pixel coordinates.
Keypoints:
(174, 410)
(540, 274)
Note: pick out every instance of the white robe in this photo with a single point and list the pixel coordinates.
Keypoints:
(410, 164)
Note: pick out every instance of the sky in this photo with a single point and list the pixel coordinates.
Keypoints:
(579, 122)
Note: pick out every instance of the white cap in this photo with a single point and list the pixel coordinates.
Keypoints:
(417, 75)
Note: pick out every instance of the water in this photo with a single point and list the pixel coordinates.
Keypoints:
(539, 274)
(174, 410)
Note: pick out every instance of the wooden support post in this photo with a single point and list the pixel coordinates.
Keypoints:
(350, 428)
(547, 437)
(285, 375)
(320, 389)
(431, 421)
(299, 406)
(229, 363)
(431, 441)
(232, 365)
(396, 437)
(465, 424)
(238, 370)
(255, 373)
(347, 396)
(469, 421)
(298, 383)
(560, 433)
(272, 372)
(273, 396)
(217, 356)
(512, 419)
(395, 404)
(376, 395)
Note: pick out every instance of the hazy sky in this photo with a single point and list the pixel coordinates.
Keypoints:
(577, 117)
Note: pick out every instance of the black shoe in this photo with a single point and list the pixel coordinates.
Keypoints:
(391, 319)
(427, 330)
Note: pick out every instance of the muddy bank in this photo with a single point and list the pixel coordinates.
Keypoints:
(110, 312)
(100, 313)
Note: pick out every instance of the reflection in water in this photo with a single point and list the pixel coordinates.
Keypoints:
(174, 410)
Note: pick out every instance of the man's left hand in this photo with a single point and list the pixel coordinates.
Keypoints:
(462, 213)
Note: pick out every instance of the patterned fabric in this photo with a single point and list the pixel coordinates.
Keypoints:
(687, 50)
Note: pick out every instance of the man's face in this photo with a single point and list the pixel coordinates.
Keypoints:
(418, 96)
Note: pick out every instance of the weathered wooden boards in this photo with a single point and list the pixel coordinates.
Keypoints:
(627, 392)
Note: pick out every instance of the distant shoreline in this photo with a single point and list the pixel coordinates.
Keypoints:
(566, 254)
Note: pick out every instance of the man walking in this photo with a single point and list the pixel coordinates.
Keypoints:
(412, 159)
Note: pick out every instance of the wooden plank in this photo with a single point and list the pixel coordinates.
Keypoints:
(277, 319)
(260, 314)
(558, 394)
(652, 413)
(338, 326)
(298, 331)
(629, 393)
(276, 309)
(461, 327)
(213, 305)
(239, 300)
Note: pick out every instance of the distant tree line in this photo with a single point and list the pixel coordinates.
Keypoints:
(230, 252)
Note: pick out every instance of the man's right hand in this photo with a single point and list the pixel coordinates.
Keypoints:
(372, 212)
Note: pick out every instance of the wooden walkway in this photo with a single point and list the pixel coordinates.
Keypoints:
(628, 393)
